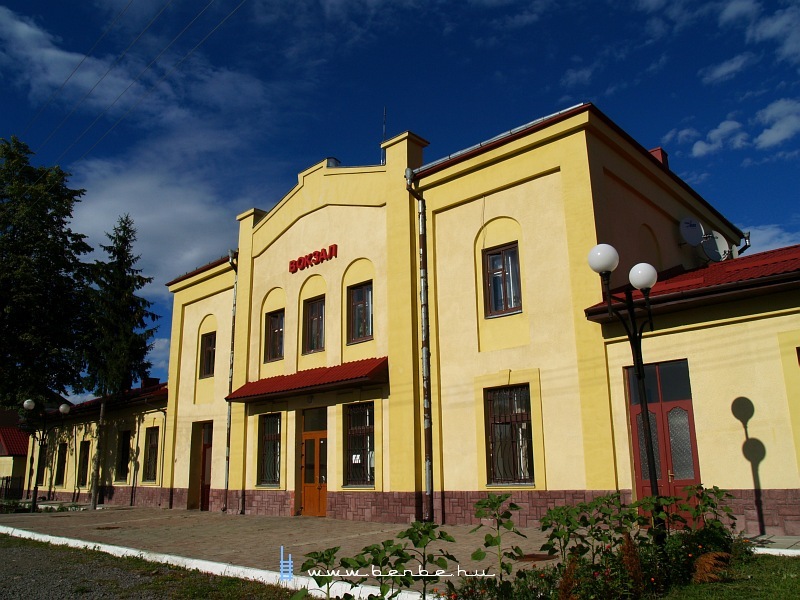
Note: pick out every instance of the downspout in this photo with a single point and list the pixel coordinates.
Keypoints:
(232, 256)
(427, 507)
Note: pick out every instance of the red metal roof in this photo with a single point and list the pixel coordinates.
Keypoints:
(13, 442)
(153, 391)
(370, 370)
(772, 270)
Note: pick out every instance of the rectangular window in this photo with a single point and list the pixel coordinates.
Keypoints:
(503, 294)
(273, 336)
(208, 346)
(269, 449)
(41, 464)
(314, 325)
(509, 436)
(359, 312)
(83, 463)
(360, 451)
(61, 464)
(123, 456)
(150, 454)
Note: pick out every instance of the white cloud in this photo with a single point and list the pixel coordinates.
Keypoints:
(782, 119)
(681, 136)
(768, 237)
(727, 69)
(738, 9)
(159, 355)
(573, 77)
(783, 27)
(727, 134)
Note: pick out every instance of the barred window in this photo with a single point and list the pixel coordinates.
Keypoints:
(150, 454)
(123, 455)
(509, 436)
(360, 451)
(269, 449)
(61, 464)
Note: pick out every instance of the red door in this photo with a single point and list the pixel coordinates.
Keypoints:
(314, 462)
(205, 466)
(672, 428)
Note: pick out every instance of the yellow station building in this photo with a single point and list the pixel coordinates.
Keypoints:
(299, 364)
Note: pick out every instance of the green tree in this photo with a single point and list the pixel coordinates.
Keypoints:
(120, 337)
(43, 281)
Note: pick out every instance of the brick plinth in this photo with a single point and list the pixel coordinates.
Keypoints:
(115, 496)
(771, 512)
(384, 507)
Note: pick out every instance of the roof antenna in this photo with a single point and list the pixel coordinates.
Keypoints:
(383, 150)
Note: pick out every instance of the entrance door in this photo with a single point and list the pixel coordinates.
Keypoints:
(205, 466)
(314, 462)
(672, 430)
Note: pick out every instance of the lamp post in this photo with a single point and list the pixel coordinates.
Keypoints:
(603, 259)
(30, 406)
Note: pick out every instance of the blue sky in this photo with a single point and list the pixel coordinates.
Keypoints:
(187, 116)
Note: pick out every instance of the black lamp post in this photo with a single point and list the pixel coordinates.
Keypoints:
(603, 259)
(41, 432)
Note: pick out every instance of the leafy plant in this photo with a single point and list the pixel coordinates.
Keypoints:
(495, 509)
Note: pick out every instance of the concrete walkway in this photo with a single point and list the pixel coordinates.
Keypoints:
(250, 546)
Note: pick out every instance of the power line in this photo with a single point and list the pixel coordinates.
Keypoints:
(110, 68)
(85, 56)
(163, 77)
(136, 79)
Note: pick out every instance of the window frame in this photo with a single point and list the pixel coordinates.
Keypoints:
(84, 455)
(364, 450)
(272, 353)
(208, 354)
(123, 461)
(61, 465)
(352, 311)
(506, 276)
(150, 470)
(521, 425)
(41, 463)
(269, 438)
(309, 319)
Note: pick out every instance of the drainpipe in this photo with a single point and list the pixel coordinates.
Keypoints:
(232, 256)
(427, 507)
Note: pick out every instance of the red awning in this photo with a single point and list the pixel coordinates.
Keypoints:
(356, 373)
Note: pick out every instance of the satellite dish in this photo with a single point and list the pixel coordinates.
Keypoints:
(715, 247)
(691, 231)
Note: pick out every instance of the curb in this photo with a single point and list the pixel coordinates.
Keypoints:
(297, 582)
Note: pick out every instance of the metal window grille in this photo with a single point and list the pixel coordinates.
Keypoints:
(360, 453)
(150, 454)
(270, 450)
(509, 435)
(61, 464)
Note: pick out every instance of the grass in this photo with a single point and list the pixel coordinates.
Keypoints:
(759, 576)
(134, 577)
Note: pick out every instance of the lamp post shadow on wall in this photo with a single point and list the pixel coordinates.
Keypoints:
(603, 259)
(36, 423)
(754, 451)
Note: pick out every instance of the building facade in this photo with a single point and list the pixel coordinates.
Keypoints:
(296, 377)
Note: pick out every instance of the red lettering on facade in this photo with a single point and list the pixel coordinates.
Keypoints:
(314, 258)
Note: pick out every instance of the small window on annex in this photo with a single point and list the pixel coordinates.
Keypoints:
(61, 464)
(208, 346)
(360, 449)
(83, 463)
(509, 437)
(359, 312)
(269, 449)
(123, 455)
(502, 286)
(41, 463)
(314, 325)
(150, 454)
(273, 335)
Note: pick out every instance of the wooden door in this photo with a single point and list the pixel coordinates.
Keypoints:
(205, 466)
(671, 426)
(314, 463)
